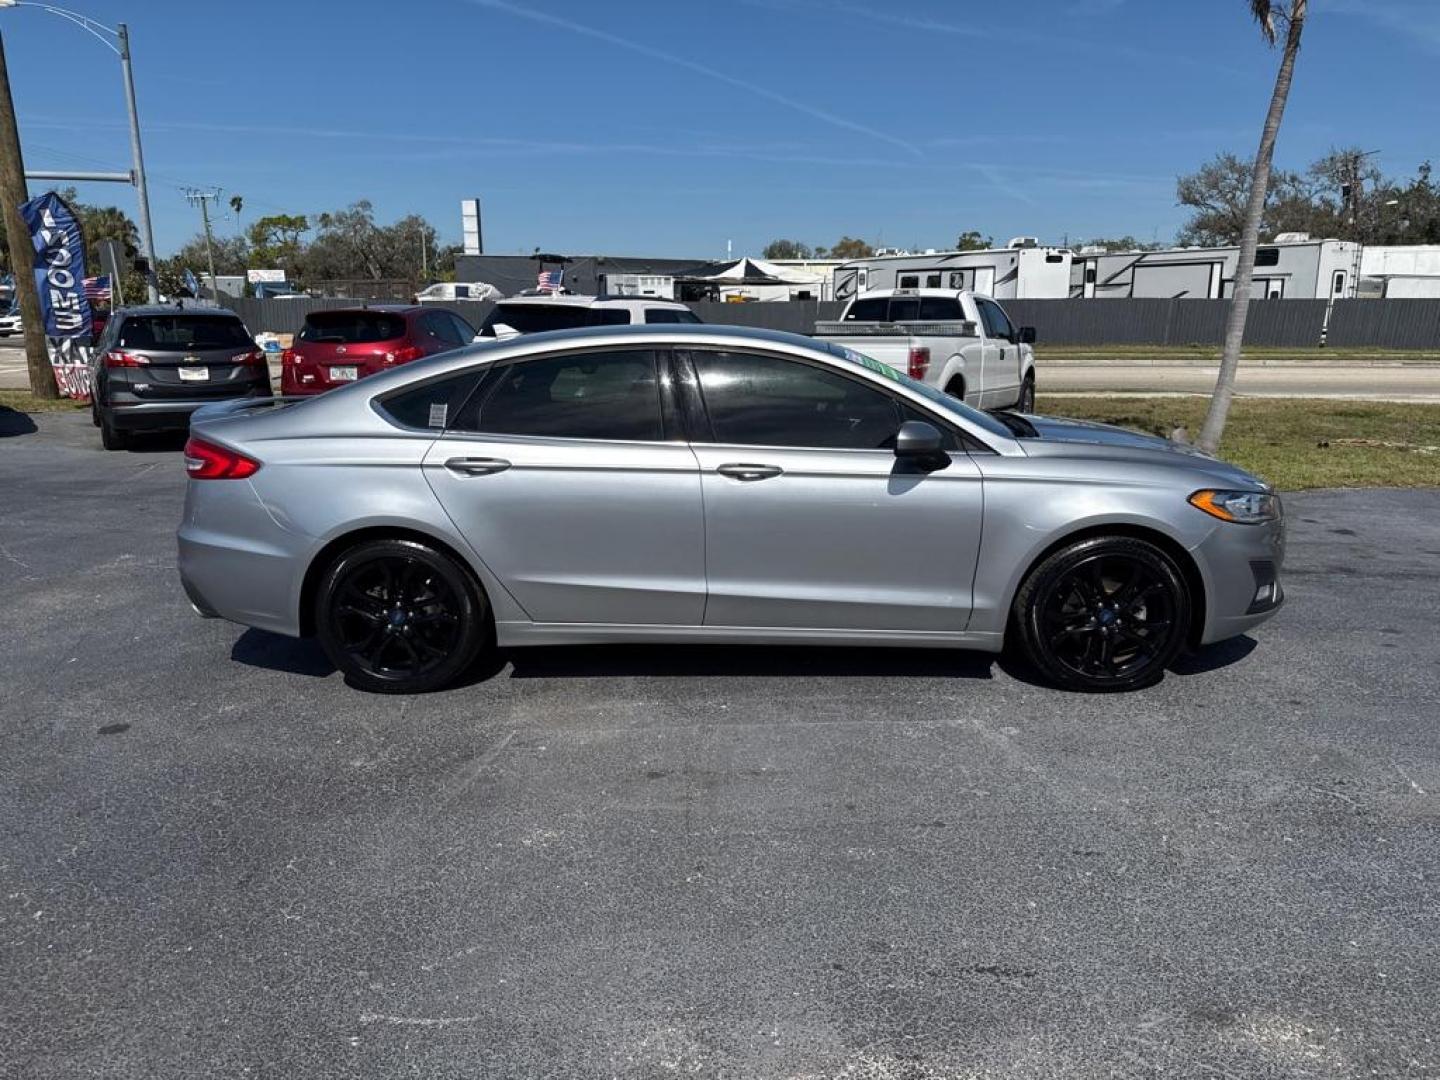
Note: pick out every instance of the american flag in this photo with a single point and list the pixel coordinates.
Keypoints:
(549, 280)
(97, 289)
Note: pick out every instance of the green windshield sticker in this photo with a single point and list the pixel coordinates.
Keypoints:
(873, 365)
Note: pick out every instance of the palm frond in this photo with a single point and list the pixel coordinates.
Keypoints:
(1265, 16)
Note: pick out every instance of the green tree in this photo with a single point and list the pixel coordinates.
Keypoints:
(1119, 243)
(971, 240)
(1267, 14)
(849, 248)
(276, 241)
(787, 249)
(1218, 193)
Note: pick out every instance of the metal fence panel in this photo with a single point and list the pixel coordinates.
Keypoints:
(1390, 324)
(795, 316)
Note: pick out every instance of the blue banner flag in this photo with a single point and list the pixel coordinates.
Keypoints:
(59, 266)
(191, 284)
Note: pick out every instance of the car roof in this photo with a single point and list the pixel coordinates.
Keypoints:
(172, 309)
(388, 309)
(574, 300)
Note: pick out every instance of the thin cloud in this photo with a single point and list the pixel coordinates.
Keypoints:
(641, 49)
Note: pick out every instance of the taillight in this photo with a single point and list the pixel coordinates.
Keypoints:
(919, 361)
(115, 358)
(249, 359)
(404, 355)
(289, 357)
(206, 461)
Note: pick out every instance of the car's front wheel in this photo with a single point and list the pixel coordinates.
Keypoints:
(1103, 614)
(1026, 402)
(400, 617)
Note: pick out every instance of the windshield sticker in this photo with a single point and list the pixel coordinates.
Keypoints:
(437, 414)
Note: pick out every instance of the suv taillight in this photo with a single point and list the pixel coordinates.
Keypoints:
(404, 354)
(255, 358)
(289, 357)
(919, 361)
(206, 461)
(115, 358)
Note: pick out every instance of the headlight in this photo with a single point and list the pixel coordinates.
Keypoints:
(1246, 507)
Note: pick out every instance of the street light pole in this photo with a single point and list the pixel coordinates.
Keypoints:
(137, 155)
(121, 34)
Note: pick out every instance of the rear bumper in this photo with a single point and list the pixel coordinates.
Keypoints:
(169, 414)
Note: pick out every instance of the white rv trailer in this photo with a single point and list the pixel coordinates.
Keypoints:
(1288, 269)
(1410, 271)
(1021, 271)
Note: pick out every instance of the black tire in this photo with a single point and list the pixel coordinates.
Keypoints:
(399, 617)
(1026, 402)
(1105, 614)
(94, 412)
(956, 388)
(111, 437)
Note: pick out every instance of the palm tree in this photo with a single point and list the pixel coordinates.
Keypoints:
(1267, 14)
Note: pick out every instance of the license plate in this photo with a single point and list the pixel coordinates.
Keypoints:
(344, 374)
(194, 374)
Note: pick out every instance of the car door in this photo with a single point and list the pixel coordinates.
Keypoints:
(810, 519)
(1002, 356)
(567, 476)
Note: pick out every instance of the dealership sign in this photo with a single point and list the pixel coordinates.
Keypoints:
(59, 278)
(258, 277)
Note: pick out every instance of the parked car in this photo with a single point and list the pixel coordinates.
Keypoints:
(338, 347)
(153, 366)
(444, 292)
(11, 324)
(955, 340)
(535, 314)
(710, 484)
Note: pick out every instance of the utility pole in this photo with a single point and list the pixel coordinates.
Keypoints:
(202, 199)
(22, 257)
(142, 193)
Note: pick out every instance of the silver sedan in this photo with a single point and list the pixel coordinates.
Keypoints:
(710, 484)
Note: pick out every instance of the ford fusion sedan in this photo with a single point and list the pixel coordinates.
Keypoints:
(694, 484)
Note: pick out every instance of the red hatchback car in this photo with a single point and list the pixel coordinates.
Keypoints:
(338, 347)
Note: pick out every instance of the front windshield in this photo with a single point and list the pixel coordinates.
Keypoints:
(938, 398)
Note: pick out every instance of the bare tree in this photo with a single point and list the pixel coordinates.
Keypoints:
(1267, 14)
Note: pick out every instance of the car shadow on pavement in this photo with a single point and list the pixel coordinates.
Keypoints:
(276, 652)
(591, 661)
(1214, 657)
(13, 422)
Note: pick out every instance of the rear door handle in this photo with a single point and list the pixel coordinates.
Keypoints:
(476, 466)
(741, 471)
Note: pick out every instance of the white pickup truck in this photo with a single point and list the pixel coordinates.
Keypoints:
(958, 341)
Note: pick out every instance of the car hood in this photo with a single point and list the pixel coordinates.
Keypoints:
(1054, 434)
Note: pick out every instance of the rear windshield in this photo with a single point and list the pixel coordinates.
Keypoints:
(351, 327)
(183, 332)
(670, 315)
(537, 318)
(872, 310)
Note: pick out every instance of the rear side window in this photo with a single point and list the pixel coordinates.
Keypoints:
(670, 315)
(594, 395)
(180, 332)
(351, 327)
(435, 405)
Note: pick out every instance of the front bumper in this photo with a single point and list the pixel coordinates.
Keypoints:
(1241, 566)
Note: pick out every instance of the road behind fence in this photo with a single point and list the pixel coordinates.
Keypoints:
(1388, 324)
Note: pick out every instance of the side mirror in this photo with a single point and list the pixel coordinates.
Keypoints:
(1025, 336)
(921, 443)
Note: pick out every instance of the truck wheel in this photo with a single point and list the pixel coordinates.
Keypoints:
(1026, 403)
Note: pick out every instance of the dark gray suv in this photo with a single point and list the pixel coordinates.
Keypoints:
(154, 366)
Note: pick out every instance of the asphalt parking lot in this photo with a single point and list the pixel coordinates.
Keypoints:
(218, 860)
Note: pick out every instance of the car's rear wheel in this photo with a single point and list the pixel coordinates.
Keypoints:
(1103, 614)
(111, 437)
(400, 617)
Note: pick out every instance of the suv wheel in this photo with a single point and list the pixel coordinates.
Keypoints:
(111, 437)
(399, 617)
(1103, 614)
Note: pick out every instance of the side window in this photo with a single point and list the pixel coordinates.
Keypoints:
(670, 315)
(434, 405)
(932, 281)
(910, 281)
(940, 309)
(463, 330)
(996, 324)
(608, 317)
(593, 395)
(1267, 256)
(758, 400)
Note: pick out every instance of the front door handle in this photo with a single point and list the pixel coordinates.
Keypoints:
(476, 466)
(741, 471)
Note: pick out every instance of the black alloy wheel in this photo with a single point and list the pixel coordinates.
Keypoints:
(1108, 613)
(396, 616)
(1026, 404)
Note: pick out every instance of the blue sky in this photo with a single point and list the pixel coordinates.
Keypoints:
(658, 127)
